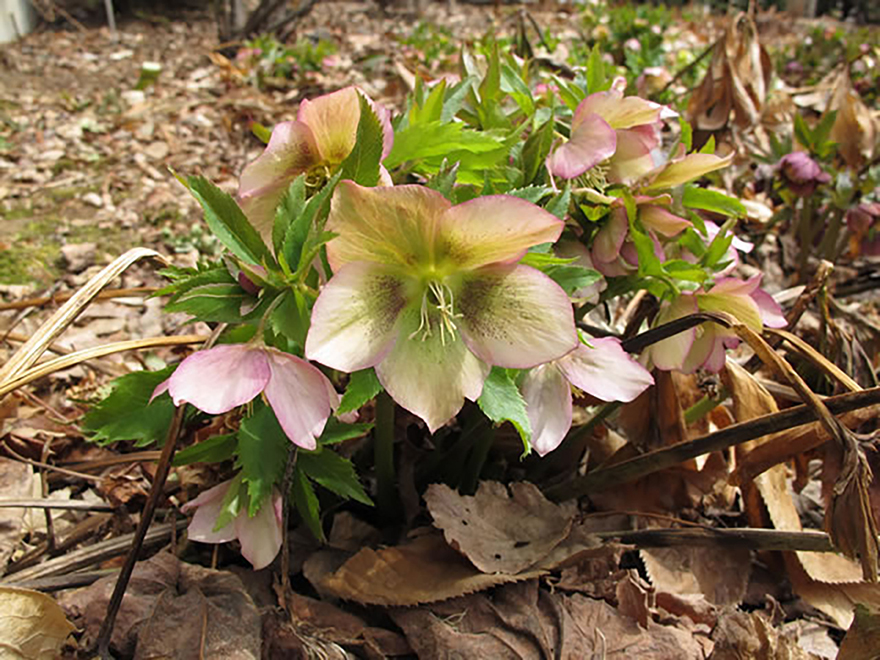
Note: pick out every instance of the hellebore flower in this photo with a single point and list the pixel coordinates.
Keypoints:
(801, 174)
(704, 346)
(603, 370)
(430, 294)
(608, 126)
(316, 142)
(683, 169)
(260, 536)
(221, 378)
(610, 242)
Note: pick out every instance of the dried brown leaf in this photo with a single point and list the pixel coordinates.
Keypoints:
(720, 573)
(863, 637)
(32, 625)
(500, 531)
(425, 570)
(750, 636)
(16, 482)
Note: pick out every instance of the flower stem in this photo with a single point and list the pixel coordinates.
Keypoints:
(286, 484)
(383, 454)
(474, 466)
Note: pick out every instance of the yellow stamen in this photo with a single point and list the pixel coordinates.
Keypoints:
(437, 297)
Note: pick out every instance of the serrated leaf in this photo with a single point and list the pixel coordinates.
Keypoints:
(435, 139)
(431, 109)
(228, 222)
(444, 181)
(362, 386)
(533, 194)
(536, 150)
(572, 277)
(334, 473)
(362, 164)
(235, 499)
(558, 206)
(299, 239)
(291, 317)
(712, 200)
(519, 91)
(215, 449)
(126, 414)
(684, 270)
(501, 402)
(262, 454)
(289, 209)
(220, 303)
(336, 431)
(306, 503)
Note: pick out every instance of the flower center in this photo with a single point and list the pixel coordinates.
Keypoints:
(596, 177)
(437, 311)
(317, 176)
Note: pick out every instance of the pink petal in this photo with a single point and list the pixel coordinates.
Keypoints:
(208, 505)
(260, 536)
(219, 379)
(290, 152)
(605, 371)
(161, 388)
(299, 394)
(548, 404)
(395, 226)
(592, 141)
(771, 312)
(430, 376)
(687, 169)
(707, 351)
(333, 119)
(671, 352)
(354, 319)
(515, 317)
(494, 229)
(741, 305)
(619, 111)
(610, 238)
(633, 159)
(662, 221)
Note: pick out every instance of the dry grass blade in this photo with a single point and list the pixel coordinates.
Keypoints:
(820, 361)
(31, 351)
(71, 359)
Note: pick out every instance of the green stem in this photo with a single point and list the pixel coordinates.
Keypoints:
(383, 454)
(472, 469)
(806, 235)
(703, 407)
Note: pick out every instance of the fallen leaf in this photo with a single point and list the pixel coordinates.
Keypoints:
(750, 636)
(16, 482)
(32, 625)
(863, 637)
(719, 573)
(500, 531)
(425, 570)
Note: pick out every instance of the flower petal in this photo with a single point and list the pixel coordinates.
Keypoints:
(670, 353)
(548, 404)
(391, 225)
(687, 169)
(605, 371)
(290, 152)
(632, 159)
(219, 379)
(208, 505)
(493, 229)
(741, 306)
(260, 536)
(661, 220)
(333, 119)
(771, 312)
(354, 318)
(609, 239)
(428, 377)
(298, 393)
(592, 141)
(515, 317)
(619, 111)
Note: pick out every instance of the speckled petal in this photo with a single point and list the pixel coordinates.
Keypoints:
(605, 371)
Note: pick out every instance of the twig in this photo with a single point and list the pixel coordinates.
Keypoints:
(63, 297)
(690, 66)
(61, 582)
(286, 483)
(755, 539)
(67, 505)
(667, 457)
(54, 468)
(156, 491)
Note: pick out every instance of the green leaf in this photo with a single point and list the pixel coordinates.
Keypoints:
(436, 139)
(262, 133)
(291, 317)
(127, 414)
(572, 277)
(513, 84)
(234, 501)
(336, 432)
(228, 221)
(215, 449)
(334, 473)
(687, 133)
(432, 108)
(711, 200)
(362, 164)
(290, 208)
(718, 247)
(558, 206)
(362, 386)
(212, 303)
(444, 181)
(802, 132)
(709, 147)
(533, 194)
(596, 79)
(262, 454)
(303, 231)
(501, 402)
(306, 503)
(823, 130)
(184, 279)
(536, 150)
(684, 270)
(456, 97)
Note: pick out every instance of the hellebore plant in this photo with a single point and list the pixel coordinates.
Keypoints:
(430, 294)
(704, 346)
(315, 143)
(601, 368)
(224, 377)
(607, 126)
(260, 535)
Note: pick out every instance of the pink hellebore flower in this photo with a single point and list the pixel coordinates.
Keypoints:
(260, 536)
(704, 346)
(801, 173)
(430, 294)
(219, 379)
(609, 126)
(316, 142)
(603, 370)
(610, 242)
